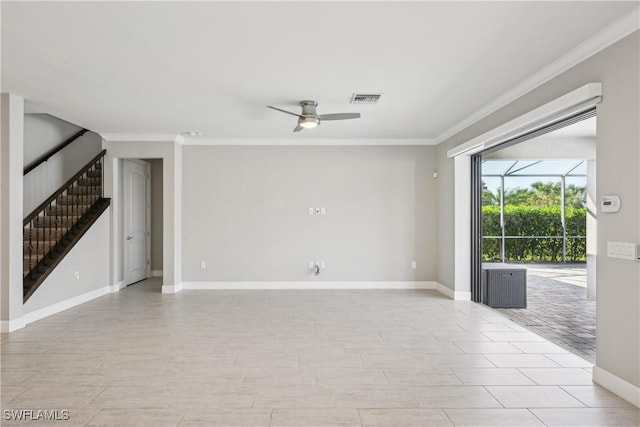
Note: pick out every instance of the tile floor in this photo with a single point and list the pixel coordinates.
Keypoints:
(296, 358)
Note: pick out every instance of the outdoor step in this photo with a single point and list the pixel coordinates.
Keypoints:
(84, 190)
(76, 200)
(67, 210)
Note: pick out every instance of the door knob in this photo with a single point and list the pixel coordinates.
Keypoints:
(129, 237)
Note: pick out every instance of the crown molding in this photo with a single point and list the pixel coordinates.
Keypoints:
(611, 34)
(203, 141)
(120, 137)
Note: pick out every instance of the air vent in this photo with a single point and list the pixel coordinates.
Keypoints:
(365, 98)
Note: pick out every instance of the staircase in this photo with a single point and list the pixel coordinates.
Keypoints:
(55, 226)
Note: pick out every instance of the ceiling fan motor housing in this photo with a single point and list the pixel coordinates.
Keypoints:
(309, 117)
(309, 108)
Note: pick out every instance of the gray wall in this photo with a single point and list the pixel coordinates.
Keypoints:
(89, 257)
(156, 214)
(618, 166)
(245, 213)
(42, 133)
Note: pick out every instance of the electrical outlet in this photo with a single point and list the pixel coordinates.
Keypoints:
(203, 265)
(310, 211)
(413, 265)
(323, 211)
(317, 211)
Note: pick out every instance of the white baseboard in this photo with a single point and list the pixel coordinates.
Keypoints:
(116, 287)
(172, 289)
(454, 295)
(64, 305)
(156, 273)
(617, 385)
(7, 326)
(308, 285)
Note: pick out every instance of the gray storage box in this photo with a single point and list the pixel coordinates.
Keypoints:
(504, 286)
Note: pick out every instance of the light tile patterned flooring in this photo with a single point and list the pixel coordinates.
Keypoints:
(297, 358)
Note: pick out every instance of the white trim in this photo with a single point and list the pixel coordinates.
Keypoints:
(574, 102)
(131, 137)
(116, 287)
(454, 295)
(147, 231)
(309, 285)
(172, 289)
(601, 40)
(64, 305)
(195, 140)
(617, 385)
(7, 326)
(156, 273)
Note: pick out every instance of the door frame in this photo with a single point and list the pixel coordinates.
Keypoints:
(577, 101)
(147, 232)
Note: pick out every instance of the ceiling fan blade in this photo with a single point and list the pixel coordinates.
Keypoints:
(298, 128)
(284, 111)
(339, 116)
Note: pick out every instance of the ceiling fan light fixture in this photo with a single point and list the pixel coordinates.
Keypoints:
(308, 122)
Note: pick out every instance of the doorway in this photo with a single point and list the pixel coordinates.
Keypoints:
(135, 226)
(534, 209)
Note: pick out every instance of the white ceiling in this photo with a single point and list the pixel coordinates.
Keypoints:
(171, 67)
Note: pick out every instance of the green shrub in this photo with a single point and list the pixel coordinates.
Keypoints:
(523, 220)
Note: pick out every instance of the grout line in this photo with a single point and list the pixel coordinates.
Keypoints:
(532, 413)
(446, 414)
(497, 400)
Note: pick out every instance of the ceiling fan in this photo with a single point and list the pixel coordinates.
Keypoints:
(309, 118)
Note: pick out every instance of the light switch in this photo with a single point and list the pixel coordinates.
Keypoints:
(622, 250)
(323, 211)
(310, 211)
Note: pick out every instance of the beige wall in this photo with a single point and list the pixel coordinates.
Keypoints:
(618, 166)
(245, 213)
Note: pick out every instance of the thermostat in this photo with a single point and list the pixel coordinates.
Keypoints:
(609, 204)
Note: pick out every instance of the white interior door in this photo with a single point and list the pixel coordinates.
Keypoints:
(135, 222)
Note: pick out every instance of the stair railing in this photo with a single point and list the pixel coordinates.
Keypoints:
(46, 156)
(50, 221)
